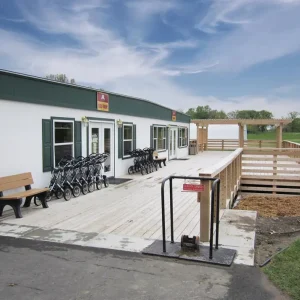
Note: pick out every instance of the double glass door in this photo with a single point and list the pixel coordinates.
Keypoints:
(172, 143)
(101, 137)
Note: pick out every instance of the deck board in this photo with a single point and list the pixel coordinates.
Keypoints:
(130, 209)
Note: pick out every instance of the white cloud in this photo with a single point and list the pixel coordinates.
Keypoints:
(102, 58)
(271, 30)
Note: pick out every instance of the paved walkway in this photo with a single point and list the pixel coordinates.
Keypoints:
(39, 270)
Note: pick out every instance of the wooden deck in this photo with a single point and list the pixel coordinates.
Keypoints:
(129, 209)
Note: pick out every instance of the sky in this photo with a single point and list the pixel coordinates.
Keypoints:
(228, 54)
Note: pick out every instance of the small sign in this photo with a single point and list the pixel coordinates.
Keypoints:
(173, 115)
(189, 187)
(102, 101)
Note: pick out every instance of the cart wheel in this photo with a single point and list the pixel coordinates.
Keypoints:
(155, 166)
(142, 171)
(59, 194)
(106, 182)
(91, 187)
(37, 201)
(130, 170)
(67, 194)
(76, 190)
(85, 188)
(99, 184)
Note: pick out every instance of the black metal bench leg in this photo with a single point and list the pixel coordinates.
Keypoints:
(164, 161)
(14, 204)
(43, 200)
(27, 201)
(17, 208)
(159, 163)
(1, 209)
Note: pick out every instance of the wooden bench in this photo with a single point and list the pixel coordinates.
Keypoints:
(15, 200)
(159, 160)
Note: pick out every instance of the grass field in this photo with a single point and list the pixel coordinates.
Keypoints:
(290, 136)
(284, 270)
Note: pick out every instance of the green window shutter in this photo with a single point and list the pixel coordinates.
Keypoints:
(77, 141)
(167, 138)
(187, 136)
(47, 145)
(134, 137)
(178, 137)
(151, 136)
(120, 142)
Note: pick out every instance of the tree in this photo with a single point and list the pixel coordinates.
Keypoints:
(205, 112)
(252, 114)
(294, 126)
(61, 78)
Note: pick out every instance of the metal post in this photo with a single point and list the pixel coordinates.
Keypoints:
(218, 215)
(171, 209)
(211, 239)
(163, 215)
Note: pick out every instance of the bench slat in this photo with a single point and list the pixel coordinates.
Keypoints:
(24, 194)
(15, 181)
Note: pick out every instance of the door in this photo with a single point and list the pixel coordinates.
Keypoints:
(172, 143)
(102, 141)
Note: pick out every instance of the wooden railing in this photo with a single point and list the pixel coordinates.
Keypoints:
(271, 171)
(229, 172)
(232, 144)
(289, 144)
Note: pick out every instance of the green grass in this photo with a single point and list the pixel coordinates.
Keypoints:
(271, 135)
(284, 270)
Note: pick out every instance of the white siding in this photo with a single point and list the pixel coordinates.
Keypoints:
(21, 137)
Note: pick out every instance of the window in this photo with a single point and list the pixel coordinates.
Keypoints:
(63, 137)
(127, 139)
(183, 134)
(159, 137)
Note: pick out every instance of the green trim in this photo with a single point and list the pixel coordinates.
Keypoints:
(26, 89)
(101, 119)
(87, 140)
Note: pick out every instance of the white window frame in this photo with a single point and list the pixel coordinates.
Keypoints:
(156, 138)
(62, 144)
(181, 138)
(127, 140)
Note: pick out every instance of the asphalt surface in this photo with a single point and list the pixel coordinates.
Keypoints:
(33, 270)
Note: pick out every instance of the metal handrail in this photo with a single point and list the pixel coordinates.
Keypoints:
(216, 183)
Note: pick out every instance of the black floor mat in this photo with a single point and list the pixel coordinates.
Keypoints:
(118, 180)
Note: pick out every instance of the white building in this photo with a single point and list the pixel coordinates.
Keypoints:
(42, 120)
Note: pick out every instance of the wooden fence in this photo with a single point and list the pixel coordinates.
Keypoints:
(271, 171)
(231, 144)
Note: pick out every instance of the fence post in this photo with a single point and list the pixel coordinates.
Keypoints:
(205, 211)
(223, 192)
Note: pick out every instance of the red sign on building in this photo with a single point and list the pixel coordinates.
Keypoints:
(102, 101)
(173, 115)
(188, 187)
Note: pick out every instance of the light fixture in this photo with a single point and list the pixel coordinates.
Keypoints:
(85, 120)
(119, 123)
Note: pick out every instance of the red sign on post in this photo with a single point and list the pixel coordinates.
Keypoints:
(102, 101)
(189, 187)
